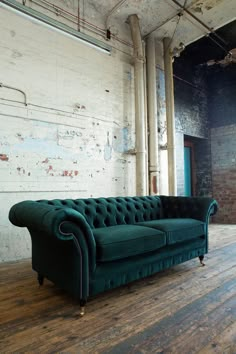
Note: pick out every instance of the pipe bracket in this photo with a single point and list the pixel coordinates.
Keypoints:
(131, 152)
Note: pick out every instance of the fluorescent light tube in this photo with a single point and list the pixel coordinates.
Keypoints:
(38, 17)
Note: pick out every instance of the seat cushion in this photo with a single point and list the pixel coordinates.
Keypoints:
(122, 241)
(177, 230)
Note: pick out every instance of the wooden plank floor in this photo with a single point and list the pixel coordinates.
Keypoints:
(186, 309)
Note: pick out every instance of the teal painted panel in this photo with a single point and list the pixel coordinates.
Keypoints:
(187, 171)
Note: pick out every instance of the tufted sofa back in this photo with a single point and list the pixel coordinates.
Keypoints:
(102, 212)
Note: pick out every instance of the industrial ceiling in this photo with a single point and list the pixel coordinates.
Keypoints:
(204, 50)
(184, 21)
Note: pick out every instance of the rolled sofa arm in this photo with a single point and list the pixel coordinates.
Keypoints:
(200, 208)
(50, 220)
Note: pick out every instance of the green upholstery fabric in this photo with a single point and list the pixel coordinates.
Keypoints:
(109, 275)
(199, 208)
(102, 212)
(122, 241)
(177, 230)
(87, 246)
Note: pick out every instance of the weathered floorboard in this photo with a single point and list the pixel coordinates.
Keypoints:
(186, 309)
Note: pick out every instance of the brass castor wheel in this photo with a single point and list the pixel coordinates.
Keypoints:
(82, 311)
(82, 307)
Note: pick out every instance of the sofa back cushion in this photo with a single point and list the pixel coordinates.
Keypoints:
(102, 212)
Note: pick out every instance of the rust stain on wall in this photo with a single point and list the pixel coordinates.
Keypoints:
(154, 184)
(4, 157)
(49, 170)
(71, 173)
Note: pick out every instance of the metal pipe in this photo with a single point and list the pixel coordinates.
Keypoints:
(52, 23)
(152, 117)
(161, 24)
(145, 114)
(187, 82)
(15, 89)
(218, 44)
(170, 116)
(59, 10)
(141, 184)
(161, 114)
(201, 22)
(116, 7)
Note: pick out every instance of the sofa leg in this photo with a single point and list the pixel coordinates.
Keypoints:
(201, 260)
(82, 307)
(40, 279)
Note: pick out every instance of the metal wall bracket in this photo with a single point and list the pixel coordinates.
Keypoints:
(15, 89)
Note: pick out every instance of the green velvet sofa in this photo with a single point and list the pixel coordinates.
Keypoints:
(87, 246)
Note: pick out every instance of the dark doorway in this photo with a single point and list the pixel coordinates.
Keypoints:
(189, 170)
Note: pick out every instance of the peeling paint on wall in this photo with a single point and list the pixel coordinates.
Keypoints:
(107, 149)
(62, 144)
(120, 141)
(78, 107)
(207, 4)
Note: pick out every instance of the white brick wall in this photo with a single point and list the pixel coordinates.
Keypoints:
(70, 140)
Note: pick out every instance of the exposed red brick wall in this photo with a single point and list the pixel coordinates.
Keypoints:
(223, 141)
(222, 118)
(224, 191)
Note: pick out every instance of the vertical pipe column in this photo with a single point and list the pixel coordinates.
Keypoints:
(170, 116)
(146, 115)
(140, 126)
(161, 114)
(152, 117)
